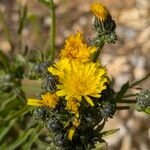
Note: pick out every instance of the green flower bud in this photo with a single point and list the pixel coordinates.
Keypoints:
(54, 125)
(49, 83)
(143, 100)
(40, 113)
(108, 110)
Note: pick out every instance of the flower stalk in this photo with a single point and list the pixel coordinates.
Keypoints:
(139, 81)
(51, 52)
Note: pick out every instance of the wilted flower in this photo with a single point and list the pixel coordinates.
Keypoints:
(48, 99)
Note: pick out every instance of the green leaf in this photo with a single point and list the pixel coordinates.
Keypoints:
(100, 126)
(6, 99)
(46, 2)
(17, 114)
(32, 138)
(12, 105)
(22, 19)
(122, 92)
(100, 145)
(5, 129)
(4, 59)
(21, 139)
(109, 132)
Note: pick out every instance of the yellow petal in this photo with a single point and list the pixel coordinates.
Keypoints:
(35, 102)
(60, 93)
(89, 100)
(71, 133)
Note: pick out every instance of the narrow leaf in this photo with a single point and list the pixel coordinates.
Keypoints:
(20, 140)
(22, 19)
(5, 129)
(122, 92)
(4, 59)
(12, 105)
(32, 138)
(109, 132)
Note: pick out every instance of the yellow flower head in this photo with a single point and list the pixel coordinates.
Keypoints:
(73, 106)
(100, 11)
(76, 48)
(80, 80)
(48, 99)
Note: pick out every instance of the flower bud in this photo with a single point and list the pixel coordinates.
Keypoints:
(143, 100)
(108, 110)
(49, 83)
(40, 113)
(54, 125)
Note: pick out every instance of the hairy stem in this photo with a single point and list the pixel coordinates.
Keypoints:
(123, 107)
(97, 53)
(128, 101)
(52, 32)
(139, 81)
(130, 95)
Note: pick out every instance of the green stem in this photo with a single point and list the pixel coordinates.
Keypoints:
(139, 81)
(52, 31)
(130, 95)
(129, 101)
(97, 53)
(123, 108)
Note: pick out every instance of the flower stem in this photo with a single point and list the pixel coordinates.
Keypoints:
(129, 101)
(97, 53)
(139, 81)
(130, 95)
(52, 31)
(123, 107)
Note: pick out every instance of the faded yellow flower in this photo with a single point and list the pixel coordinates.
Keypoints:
(100, 11)
(73, 106)
(76, 48)
(48, 99)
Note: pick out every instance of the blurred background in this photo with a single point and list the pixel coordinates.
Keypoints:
(127, 59)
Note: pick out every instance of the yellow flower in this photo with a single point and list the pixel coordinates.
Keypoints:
(100, 11)
(62, 64)
(72, 130)
(80, 80)
(76, 48)
(48, 99)
(73, 106)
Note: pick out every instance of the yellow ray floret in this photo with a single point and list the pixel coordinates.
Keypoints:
(79, 80)
(100, 11)
(72, 130)
(48, 99)
(76, 48)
